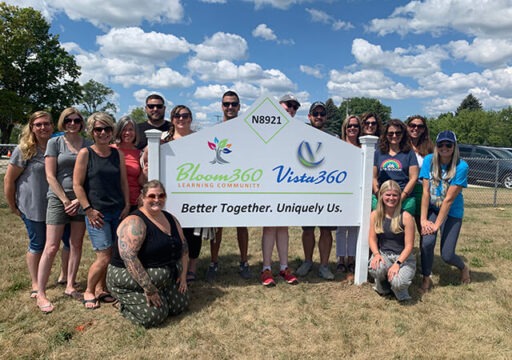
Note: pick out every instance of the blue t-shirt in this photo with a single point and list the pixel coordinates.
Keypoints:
(394, 167)
(438, 194)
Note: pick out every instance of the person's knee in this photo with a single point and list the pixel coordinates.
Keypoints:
(448, 256)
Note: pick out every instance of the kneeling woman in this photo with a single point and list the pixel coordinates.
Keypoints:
(143, 273)
(391, 241)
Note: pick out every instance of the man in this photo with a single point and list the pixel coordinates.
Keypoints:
(317, 117)
(278, 235)
(155, 111)
(230, 108)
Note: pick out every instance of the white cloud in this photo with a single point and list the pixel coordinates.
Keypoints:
(323, 17)
(484, 52)
(474, 17)
(264, 32)
(212, 91)
(313, 71)
(222, 46)
(214, 1)
(141, 95)
(279, 4)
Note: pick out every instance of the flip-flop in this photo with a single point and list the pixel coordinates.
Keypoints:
(91, 301)
(76, 295)
(191, 276)
(106, 298)
(46, 309)
(33, 294)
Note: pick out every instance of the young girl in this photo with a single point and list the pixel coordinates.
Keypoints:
(444, 175)
(391, 240)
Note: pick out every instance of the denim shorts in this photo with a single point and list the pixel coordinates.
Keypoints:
(36, 235)
(55, 214)
(104, 237)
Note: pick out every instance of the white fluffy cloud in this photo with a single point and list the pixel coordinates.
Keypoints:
(264, 32)
(222, 46)
(313, 71)
(325, 18)
(484, 52)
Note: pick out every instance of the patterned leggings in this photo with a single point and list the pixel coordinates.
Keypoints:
(133, 301)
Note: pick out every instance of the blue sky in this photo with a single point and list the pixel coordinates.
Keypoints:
(419, 57)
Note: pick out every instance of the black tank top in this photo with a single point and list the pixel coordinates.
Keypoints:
(158, 249)
(389, 242)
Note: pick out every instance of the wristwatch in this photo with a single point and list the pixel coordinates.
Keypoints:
(399, 263)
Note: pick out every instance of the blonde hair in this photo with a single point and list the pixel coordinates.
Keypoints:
(380, 213)
(64, 114)
(28, 140)
(436, 171)
(101, 117)
(344, 127)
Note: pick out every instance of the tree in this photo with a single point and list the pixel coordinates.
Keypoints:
(96, 97)
(334, 118)
(360, 105)
(138, 115)
(36, 73)
(470, 103)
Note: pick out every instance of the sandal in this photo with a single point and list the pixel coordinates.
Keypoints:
(106, 297)
(33, 294)
(191, 276)
(95, 302)
(47, 308)
(341, 268)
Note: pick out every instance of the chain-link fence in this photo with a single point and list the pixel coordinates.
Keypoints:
(490, 182)
(6, 149)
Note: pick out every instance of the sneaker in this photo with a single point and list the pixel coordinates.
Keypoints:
(287, 275)
(211, 273)
(267, 279)
(325, 273)
(245, 271)
(304, 268)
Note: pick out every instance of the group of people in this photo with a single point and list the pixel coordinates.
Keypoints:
(145, 260)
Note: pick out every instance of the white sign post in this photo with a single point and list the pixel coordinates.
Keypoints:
(265, 169)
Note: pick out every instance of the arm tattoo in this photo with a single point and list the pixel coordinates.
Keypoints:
(184, 248)
(132, 233)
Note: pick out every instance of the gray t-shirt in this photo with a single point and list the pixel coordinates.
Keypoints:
(31, 185)
(65, 162)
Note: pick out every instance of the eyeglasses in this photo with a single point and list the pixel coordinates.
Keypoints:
(416, 126)
(99, 129)
(184, 116)
(353, 126)
(370, 123)
(156, 196)
(292, 105)
(227, 103)
(318, 113)
(394, 133)
(41, 124)
(155, 106)
(75, 121)
(448, 145)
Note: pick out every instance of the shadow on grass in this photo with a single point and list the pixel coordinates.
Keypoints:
(449, 275)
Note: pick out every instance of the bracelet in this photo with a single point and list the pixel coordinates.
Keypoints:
(87, 207)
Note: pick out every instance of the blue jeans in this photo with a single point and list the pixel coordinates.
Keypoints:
(36, 235)
(104, 237)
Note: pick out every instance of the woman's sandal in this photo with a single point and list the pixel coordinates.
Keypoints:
(191, 276)
(341, 268)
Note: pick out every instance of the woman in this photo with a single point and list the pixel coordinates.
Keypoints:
(143, 273)
(444, 175)
(101, 186)
(126, 139)
(63, 206)
(372, 124)
(422, 145)
(394, 160)
(24, 191)
(391, 241)
(346, 236)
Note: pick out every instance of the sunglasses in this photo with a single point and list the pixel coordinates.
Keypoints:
(370, 123)
(156, 196)
(319, 113)
(155, 106)
(353, 126)
(75, 121)
(292, 105)
(394, 133)
(41, 124)
(227, 103)
(99, 129)
(448, 145)
(184, 116)
(416, 126)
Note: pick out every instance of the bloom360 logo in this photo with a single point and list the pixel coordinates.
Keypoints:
(308, 156)
(220, 147)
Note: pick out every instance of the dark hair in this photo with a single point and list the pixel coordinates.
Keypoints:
(177, 108)
(404, 145)
(368, 115)
(424, 144)
(231, 93)
(155, 96)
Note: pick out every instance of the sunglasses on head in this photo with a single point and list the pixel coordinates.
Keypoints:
(156, 196)
(227, 103)
(394, 133)
(41, 124)
(74, 121)
(319, 113)
(292, 105)
(183, 116)
(99, 129)
(153, 106)
(370, 123)
(416, 126)
(448, 145)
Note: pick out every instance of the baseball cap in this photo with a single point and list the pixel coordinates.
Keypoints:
(446, 135)
(288, 97)
(315, 105)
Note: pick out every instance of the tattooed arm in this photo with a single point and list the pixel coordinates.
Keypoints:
(132, 233)
(184, 258)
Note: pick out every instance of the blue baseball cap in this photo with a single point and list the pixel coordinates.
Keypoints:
(446, 135)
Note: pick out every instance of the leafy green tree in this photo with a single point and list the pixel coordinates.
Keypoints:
(470, 103)
(96, 97)
(35, 71)
(138, 115)
(360, 105)
(334, 118)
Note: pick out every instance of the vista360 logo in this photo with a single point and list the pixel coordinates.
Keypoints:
(308, 155)
(220, 147)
